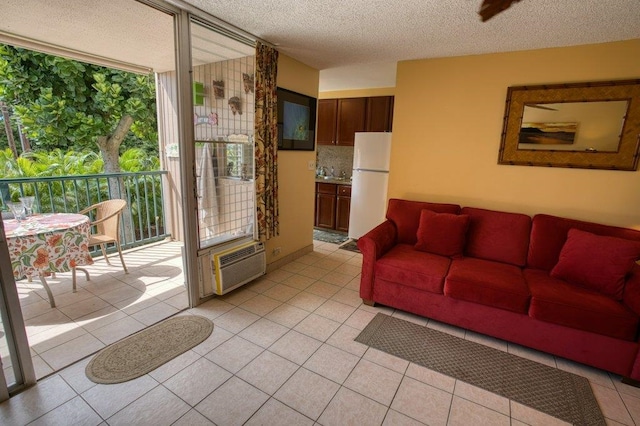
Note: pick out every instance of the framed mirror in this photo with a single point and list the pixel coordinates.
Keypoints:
(582, 125)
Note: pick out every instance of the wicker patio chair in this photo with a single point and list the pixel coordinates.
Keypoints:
(107, 223)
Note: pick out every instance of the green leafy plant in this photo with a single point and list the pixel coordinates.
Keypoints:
(72, 195)
(70, 105)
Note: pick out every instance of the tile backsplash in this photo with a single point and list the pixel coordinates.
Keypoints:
(338, 157)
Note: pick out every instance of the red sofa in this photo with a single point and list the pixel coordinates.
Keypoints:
(562, 286)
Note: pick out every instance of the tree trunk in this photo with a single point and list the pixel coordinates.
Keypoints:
(110, 145)
(8, 130)
(24, 140)
(110, 151)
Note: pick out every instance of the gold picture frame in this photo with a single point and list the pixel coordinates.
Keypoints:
(623, 157)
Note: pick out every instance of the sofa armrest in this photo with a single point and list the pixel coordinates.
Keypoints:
(631, 295)
(373, 245)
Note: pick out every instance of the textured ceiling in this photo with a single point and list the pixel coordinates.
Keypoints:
(334, 33)
(124, 30)
(355, 43)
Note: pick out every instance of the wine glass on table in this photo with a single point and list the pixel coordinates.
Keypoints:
(17, 209)
(27, 202)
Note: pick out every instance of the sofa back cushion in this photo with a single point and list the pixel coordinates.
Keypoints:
(498, 236)
(596, 262)
(549, 233)
(442, 233)
(631, 295)
(405, 215)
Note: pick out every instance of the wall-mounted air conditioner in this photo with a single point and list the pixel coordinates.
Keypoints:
(229, 266)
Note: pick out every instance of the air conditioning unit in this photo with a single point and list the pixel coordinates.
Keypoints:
(228, 267)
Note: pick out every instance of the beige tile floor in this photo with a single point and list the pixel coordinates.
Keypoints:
(282, 353)
(107, 308)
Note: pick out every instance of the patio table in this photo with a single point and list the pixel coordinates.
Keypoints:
(47, 243)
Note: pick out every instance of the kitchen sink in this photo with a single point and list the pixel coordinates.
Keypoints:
(333, 178)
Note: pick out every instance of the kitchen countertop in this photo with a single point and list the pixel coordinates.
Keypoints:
(336, 181)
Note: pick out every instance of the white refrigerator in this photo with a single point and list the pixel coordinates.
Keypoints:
(369, 184)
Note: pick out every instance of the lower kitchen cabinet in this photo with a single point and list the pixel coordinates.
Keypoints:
(343, 208)
(333, 203)
(325, 211)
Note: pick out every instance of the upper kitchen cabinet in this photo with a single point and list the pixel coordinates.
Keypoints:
(327, 121)
(379, 113)
(340, 119)
(352, 114)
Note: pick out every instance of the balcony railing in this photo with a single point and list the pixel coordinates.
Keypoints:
(143, 220)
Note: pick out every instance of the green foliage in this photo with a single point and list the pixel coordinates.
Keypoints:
(137, 160)
(8, 166)
(54, 163)
(144, 191)
(4, 142)
(69, 163)
(64, 107)
(67, 104)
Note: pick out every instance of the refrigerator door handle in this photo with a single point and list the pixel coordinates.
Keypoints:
(370, 170)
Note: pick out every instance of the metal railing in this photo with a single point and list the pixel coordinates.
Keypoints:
(143, 220)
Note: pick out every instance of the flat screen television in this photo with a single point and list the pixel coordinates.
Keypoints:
(296, 121)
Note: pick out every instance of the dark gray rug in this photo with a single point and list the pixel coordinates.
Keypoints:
(329, 237)
(351, 245)
(558, 393)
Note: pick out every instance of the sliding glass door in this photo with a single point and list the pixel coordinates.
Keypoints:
(15, 358)
(223, 105)
(208, 97)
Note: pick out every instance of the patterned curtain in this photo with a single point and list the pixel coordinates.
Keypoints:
(266, 136)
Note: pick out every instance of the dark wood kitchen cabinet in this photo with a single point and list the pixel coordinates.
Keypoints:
(379, 113)
(343, 208)
(327, 121)
(325, 205)
(340, 119)
(333, 206)
(352, 114)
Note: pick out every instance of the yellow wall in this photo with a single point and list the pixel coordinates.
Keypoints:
(357, 93)
(295, 180)
(448, 120)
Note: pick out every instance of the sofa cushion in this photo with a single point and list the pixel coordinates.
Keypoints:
(406, 216)
(442, 233)
(631, 294)
(488, 283)
(499, 236)
(596, 262)
(549, 233)
(407, 266)
(558, 302)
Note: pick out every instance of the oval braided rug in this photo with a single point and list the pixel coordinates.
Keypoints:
(148, 349)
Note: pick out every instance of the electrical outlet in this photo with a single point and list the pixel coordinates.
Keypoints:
(311, 165)
(276, 251)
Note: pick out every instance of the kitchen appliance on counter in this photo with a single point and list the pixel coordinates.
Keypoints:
(371, 154)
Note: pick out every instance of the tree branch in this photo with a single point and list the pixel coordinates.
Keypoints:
(120, 132)
(7, 128)
(110, 145)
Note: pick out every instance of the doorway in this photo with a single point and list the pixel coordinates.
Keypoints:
(37, 339)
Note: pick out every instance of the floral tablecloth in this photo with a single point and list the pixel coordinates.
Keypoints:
(48, 243)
